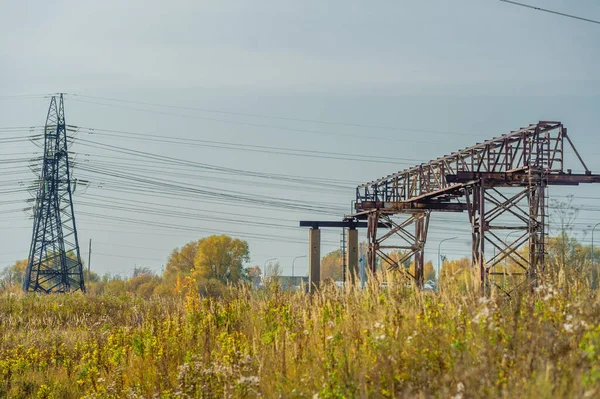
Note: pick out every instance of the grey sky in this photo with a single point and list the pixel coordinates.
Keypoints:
(476, 67)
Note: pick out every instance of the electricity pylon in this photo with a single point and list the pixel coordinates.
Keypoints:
(54, 263)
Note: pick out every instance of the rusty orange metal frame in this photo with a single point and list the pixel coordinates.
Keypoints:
(530, 159)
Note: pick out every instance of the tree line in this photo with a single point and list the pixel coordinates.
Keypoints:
(209, 264)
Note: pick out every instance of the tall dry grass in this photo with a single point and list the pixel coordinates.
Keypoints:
(392, 342)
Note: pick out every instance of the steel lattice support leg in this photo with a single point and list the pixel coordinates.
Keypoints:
(494, 217)
(476, 210)
(410, 244)
(536, 225)
(421, 227)
(373, 222)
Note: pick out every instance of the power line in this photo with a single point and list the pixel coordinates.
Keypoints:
(286, 128)
(149, 164)
(551, 12)
(127, 257)
(245, 147)
(26, 96)
(179, 227)
(156, 171)
(176, 161)
(366, 126)
(142, 181)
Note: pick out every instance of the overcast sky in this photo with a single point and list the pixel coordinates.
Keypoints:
(428, 77)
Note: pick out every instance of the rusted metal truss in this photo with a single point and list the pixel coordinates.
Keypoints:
(523, 212)
(411, 244)
(506, 176)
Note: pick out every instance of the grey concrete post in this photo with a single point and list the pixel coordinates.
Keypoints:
(352, 254)
(314, 259)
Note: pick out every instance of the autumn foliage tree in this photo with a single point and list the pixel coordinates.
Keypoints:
(457, 272)
(11, 278)
(331, 266)
(181, 261)
(408, 265)
(209, 262)
(220, 257)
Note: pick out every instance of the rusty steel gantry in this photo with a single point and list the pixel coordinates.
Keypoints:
(503, 177)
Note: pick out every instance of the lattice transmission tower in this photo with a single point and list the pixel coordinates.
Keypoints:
(54, 263)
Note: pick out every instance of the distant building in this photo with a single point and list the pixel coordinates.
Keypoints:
(293, 283)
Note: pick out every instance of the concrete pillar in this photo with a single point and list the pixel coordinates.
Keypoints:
(352, 254)
(314, 259)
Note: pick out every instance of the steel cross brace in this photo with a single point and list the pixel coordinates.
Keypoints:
(524, 212)
(411, 244)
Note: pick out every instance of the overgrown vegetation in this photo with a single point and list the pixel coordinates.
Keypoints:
(201, 330)
(336, 343)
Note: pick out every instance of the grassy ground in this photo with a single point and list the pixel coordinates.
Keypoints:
(372, 343)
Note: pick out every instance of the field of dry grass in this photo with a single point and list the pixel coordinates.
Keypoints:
(334, 344)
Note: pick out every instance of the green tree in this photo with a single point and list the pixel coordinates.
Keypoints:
(272, 273)
(252, 275)
(116, 287)
(181, 260)
(563, 247)
(220, 258)
(331, 266)
(11, 277)
(143, 283)
(395, 257)
(428, 271)
(457, 272)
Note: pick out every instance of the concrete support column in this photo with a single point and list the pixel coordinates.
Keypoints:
(314, 259)
(352, 254)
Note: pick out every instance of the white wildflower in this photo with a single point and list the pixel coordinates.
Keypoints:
(250, 380)
(568, 327)
(460, 387)
(539, 288)
(483, 314)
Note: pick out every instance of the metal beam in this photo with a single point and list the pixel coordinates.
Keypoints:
(399, 207)
(350, 224)
(508, 179)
